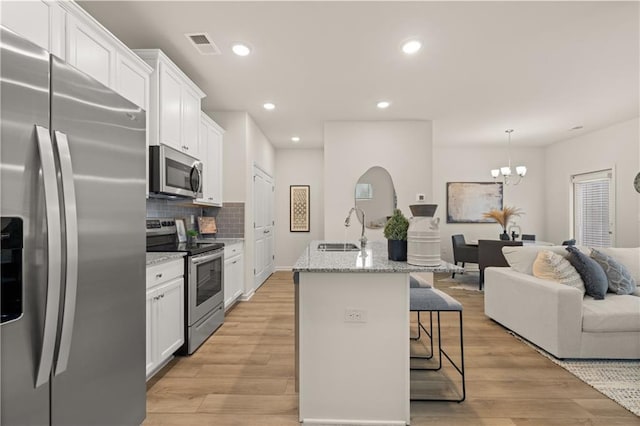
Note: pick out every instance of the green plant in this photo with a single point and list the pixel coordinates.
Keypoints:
(396, 227)
(192, 233)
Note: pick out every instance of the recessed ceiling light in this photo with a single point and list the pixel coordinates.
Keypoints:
(383, 104)
(241, 49)
(269, 106)
(295, 138)
(412, 46)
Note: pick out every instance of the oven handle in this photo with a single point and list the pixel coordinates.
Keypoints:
(201, 259)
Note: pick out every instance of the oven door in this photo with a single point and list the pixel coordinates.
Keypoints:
(206, 284)
(174, 173)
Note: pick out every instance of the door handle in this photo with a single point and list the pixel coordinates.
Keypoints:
(54, 256)
(71, 222)
(266, 231)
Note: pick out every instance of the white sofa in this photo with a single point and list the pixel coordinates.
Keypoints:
(562, 321)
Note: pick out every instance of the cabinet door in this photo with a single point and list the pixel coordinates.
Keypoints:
(238, 288)
(203, 150)
(151, 360)
(132, 81)
(91, 52)
(233, 279)
(41, 22)
(214, 158)
(170, 108)
(190, 122)
(170, 318)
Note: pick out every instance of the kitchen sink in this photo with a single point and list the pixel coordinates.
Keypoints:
(338, 247)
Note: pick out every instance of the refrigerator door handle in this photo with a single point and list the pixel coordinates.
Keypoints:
(71, 223)
(54, 256)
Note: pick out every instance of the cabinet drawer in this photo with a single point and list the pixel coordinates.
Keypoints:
(231, 250)
(163, 272)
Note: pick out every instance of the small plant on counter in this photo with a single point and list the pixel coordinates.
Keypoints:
(395, 231)
(192, 233)
(396, 227)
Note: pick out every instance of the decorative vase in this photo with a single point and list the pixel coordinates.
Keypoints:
(397, 249)
(504, 236)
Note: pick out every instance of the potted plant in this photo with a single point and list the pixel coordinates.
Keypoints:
(192, 235)
(395, 231)
(503, 217)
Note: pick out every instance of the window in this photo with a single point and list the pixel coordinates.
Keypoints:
(593, 209)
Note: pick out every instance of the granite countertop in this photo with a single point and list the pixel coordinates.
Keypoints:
(159, 257)
(373, 259)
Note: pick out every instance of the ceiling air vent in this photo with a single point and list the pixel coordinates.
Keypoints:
(203, 43)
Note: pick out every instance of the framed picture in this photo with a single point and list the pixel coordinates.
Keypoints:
(467, 201)
(299, 208)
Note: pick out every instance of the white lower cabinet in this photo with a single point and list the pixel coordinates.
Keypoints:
(233, 273)
(165, 313)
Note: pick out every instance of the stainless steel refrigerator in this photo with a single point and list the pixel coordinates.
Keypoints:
(72, 201)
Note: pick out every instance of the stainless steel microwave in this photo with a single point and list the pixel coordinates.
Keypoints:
(173, 173)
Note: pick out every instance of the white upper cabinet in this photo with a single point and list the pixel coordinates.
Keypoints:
(211, 155)
(170, 108)
(93, 49)
(132, 80)
(174, 106)
(191, 122)
(89, 50)
(41, 22)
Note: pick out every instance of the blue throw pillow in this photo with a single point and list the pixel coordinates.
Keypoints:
(595, 280)
(618, 276)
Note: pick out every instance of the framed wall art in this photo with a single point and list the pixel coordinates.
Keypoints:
(467, 201)
(299, 214)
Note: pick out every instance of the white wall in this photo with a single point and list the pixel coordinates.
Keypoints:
(472, 164)
(297, 167)
(244, 146)
(352, 147)
(234, 154)
(615, 147)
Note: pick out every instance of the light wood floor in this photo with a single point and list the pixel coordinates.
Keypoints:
(244, 375)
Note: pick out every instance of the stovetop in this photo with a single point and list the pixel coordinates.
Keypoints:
(190, 249)
(162, 236)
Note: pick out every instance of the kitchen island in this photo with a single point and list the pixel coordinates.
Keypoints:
(352, 335)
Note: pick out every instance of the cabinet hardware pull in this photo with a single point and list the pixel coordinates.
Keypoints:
(158, 275)
(235, 261)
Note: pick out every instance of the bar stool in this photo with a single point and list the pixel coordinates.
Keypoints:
(433, 300)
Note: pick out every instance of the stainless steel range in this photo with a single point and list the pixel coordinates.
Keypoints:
(204, 280)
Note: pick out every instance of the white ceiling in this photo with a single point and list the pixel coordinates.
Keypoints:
(540, 68)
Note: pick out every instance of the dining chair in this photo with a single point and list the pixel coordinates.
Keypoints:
(490, 254)
(463, 252)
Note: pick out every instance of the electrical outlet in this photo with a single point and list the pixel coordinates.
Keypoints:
(355, 315)
(420, 197)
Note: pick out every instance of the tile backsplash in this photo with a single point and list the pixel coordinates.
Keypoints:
(230, 220)
(229, 217)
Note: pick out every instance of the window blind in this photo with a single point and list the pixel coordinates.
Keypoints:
(592, 209)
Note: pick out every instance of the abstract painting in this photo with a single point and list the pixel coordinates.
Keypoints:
(299, 208)
(467, 201)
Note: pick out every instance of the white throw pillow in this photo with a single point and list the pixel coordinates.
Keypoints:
(554, 267)
(521, 258)
(628, 256)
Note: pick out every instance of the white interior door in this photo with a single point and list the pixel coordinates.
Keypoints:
(263, 193)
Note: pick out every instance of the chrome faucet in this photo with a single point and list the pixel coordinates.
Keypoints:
(347, 222)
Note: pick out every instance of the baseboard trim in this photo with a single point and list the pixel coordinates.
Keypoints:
(283, 268)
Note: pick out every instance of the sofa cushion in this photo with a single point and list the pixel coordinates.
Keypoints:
(595, 280)
(554, 267)
(619, 278)
(614, 314)
(521, 258)
(628, 256)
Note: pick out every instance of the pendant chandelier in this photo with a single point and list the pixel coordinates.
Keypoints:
(505, 172)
